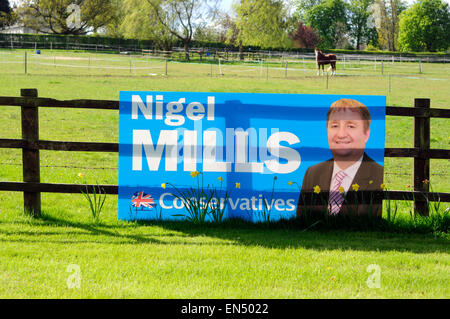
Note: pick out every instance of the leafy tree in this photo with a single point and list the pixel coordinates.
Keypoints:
(7, 15)
(210, 33)
(228, 27)
(52, 16)
(262, 23)
(305, 36)
(140, 22)
(4, 6)
(182, 18)
(303, 6)
(362, 27)
(425, 26)
(330, 19)
(386, 14)
(112, 28)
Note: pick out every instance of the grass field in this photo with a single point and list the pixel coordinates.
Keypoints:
(165, 260)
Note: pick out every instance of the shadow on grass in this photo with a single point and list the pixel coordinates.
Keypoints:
(280, 235)
(288, 237)
(98, 230)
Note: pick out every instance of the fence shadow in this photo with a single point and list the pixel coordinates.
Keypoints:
(99, 230)
(285, 238)
(231, 233)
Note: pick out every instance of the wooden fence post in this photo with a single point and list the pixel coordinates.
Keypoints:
(166, 67)
(30, 153)
(422, 162)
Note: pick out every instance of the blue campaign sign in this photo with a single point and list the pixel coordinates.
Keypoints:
(245, 153)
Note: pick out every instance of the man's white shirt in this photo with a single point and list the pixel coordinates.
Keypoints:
(350, 172)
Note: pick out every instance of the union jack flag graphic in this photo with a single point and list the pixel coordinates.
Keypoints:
(141, 199)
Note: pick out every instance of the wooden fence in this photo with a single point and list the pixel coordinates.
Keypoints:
(31, 144)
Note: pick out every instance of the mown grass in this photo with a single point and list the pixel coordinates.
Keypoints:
(181, 260)
(165, 260)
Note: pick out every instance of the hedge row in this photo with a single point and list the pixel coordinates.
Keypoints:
(62, 41)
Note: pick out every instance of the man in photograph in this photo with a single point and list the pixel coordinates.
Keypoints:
(350, 169)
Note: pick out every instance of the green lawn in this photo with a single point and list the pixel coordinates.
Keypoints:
(181, 260)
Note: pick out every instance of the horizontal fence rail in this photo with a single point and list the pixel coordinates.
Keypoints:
(163, 63)
(31, 144)
(114, 190)
(114, 105)
(46, 102)
(114, 148)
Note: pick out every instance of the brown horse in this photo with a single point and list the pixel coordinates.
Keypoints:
(322, 59)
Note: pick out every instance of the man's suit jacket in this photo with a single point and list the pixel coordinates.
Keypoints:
(369, 177)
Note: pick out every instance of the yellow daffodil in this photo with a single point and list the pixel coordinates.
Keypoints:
(290, 183)
(408, 186)
(238, 185)
(370, 182)
(80, 175)
(341, 190)
(317, 189)
(355, 187)
(163, 185)
(383, 186)
(194, 174)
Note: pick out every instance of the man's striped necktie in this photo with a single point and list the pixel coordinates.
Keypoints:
(336, 198)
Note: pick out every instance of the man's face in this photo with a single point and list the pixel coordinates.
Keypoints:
(346, 135)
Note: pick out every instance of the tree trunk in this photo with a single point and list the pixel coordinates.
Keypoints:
(186, 50)
(241, 54)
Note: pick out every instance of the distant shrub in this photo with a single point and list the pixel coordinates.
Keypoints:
(371, 47)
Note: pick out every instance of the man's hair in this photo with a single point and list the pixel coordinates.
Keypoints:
(352, 105)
